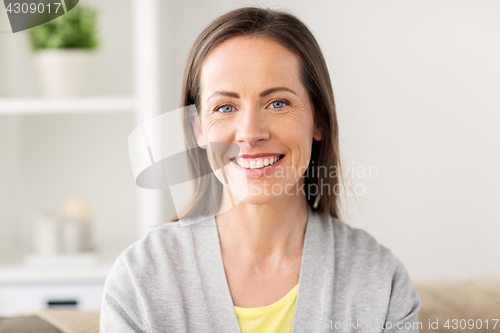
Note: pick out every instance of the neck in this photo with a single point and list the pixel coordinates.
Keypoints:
(265, 232)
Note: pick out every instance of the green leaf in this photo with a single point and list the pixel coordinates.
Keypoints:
(75, 29)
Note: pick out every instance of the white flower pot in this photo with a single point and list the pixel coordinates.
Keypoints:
(63, 72)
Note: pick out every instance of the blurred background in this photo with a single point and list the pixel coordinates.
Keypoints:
(416, 86)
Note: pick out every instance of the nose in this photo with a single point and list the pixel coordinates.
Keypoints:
(252, 127)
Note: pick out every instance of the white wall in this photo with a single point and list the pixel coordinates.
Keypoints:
(416, 86)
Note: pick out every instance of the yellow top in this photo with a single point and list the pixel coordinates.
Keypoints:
(273, 318)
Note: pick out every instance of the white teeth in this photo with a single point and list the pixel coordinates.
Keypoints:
(257, 163)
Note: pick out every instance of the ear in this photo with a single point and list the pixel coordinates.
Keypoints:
(200, 138)
(318, 133)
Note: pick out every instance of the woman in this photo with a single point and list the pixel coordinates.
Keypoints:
(274, 257)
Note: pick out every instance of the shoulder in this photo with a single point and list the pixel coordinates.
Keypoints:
(359, 252)
(354, 243)
(365, 267)
(159, 250)
(152, 277)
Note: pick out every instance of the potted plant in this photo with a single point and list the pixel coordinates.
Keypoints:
(63, 49)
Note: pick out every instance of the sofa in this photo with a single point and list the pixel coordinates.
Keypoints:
(465, 303)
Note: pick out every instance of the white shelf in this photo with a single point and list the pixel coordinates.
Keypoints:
(24, 275)
(98, 104)
(57, 268)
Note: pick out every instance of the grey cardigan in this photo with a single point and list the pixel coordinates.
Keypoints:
(173, 280)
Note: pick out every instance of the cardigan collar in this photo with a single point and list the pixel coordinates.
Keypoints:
(314, 293)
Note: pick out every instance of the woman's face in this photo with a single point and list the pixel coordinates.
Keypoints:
(252, 97)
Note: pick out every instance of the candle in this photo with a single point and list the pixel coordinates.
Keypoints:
(76, 226)
(46, 235)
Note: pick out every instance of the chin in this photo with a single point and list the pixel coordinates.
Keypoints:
(259, 199)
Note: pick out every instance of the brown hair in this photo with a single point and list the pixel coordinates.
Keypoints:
(290, 32)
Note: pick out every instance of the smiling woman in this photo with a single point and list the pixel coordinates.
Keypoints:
(252, 96)
(271, 253)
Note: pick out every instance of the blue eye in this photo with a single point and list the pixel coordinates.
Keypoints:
(278, 104)
(225, 109)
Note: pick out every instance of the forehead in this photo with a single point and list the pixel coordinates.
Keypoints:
(244, 62)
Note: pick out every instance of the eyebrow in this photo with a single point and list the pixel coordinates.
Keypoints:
(262, 94)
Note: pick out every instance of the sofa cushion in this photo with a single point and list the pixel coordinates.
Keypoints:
(476, 298)
(28, 324)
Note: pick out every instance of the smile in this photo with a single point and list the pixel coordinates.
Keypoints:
(257, 163)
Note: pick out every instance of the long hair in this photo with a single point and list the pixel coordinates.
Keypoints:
(290, 32)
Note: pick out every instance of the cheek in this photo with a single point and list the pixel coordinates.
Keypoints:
(301, 120)
(297, 143)
(209, 124)
(297, 129)
(216, 130)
